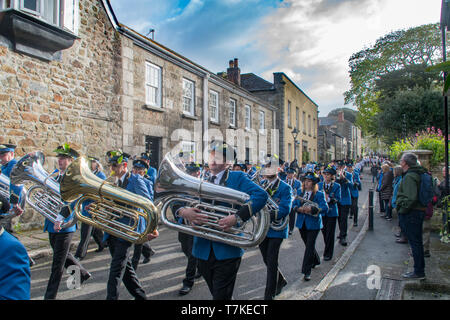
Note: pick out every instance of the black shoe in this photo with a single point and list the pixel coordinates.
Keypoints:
(350, 217)
(152, 252)
(412, 275)
(307, 277)
(85, 277)
(355, 224)
(280, 285)
(185, 290)
(100, 249)
(398, 234)
(401, 240)
(290, 233)
(343, 242)
(146, 260)
(316, 264)
(426, 254)
(327, 258)
(197, 275)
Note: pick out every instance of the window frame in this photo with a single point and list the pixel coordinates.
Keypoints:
(289, 114)
(263, 123)
(148, 83)
(191, 112)
(248, 119)
(216, 94)
(230, 105)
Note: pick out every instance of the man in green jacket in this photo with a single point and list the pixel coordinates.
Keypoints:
(411, 213)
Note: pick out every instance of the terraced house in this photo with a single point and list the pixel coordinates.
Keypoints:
(71, 72)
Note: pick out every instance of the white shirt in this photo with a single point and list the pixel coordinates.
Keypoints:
(218, 176)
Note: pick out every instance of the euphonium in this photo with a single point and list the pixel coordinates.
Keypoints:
(309, 203)
(43, 196)
(175, 186)
(114, 210)
(277, 224)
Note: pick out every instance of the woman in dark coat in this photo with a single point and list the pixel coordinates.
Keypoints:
(387, 187)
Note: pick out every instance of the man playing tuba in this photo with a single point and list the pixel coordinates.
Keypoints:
(218, 262)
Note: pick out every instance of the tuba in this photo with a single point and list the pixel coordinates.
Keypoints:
(43, 196)
(174, 186)
(4, 191)
(309, 203)
(116, 211)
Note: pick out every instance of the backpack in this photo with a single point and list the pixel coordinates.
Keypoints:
(426, 189)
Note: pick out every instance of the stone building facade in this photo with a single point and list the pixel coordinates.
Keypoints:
(86, 79)
(295, 110)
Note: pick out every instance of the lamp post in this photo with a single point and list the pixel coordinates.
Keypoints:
(295, 135)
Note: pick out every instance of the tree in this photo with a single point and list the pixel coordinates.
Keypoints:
(397, 50)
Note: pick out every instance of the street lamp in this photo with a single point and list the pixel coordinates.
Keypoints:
(295, 135)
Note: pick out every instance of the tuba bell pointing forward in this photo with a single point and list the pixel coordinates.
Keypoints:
(114, 210)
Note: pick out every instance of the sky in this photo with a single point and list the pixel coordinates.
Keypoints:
(310, 41)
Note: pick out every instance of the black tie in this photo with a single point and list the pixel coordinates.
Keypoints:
(212, 179)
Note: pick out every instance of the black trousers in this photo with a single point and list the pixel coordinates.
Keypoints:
(86, 231)
(292, 217)
(328, 232)
(187, 242)
(342, 220)
(121, 269)
(144, 249)
(270, 249)
(62, 258)
(354, 210)
(220, 275)
(311, 257)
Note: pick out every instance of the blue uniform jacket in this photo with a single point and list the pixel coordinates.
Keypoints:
(346, 199)
(102, 176)
(152, 173)
(354, 188)
(14, 191)
(334, 193)
(240, 181)
(296, 186)
(282, 197)
(135, 184)
(149, 184)
(15, 268)
(312, 223)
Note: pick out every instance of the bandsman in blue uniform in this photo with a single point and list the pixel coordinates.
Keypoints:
(15, 279)
(237, 166)
(251, 170)
(121, 268)
(281, 194)
(218, 262)
(344, 179)
(332, 191)
(60, 238)
(309, 220)
(355, 186)
(141, 167)
(296, 186)
(7, 163)
(151, 172)
(86, 230)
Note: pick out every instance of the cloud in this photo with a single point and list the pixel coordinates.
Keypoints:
(312, 40)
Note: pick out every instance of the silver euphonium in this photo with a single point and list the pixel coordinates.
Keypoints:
(175, 187)
(309, 203)
(4, 191)
(43, 196)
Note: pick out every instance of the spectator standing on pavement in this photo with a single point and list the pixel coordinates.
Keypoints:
(398, 172)
(374, 172)
(411, 212)
(386, 189)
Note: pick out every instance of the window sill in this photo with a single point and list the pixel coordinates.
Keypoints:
(232, 127)
(34, 37)
(153, 108)
(217, 123)
(189, 116)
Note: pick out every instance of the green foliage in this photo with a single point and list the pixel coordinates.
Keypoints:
(433, 140)
(444, 233)
(395, 51)
(396, 149)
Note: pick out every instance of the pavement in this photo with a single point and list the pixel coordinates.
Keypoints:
(369, 268)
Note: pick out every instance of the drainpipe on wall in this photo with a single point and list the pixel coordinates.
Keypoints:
(205, 116)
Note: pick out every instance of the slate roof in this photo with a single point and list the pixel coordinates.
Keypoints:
(252, 82)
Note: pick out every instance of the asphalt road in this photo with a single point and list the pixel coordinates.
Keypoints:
(162, 277)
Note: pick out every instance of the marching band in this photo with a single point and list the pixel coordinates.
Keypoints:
(277, 197)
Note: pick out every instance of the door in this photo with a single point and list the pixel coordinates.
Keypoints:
(153, 146)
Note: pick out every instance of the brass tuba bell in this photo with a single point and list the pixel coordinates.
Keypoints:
(114, 210)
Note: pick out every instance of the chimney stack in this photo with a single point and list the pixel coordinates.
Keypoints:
(233, 72)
